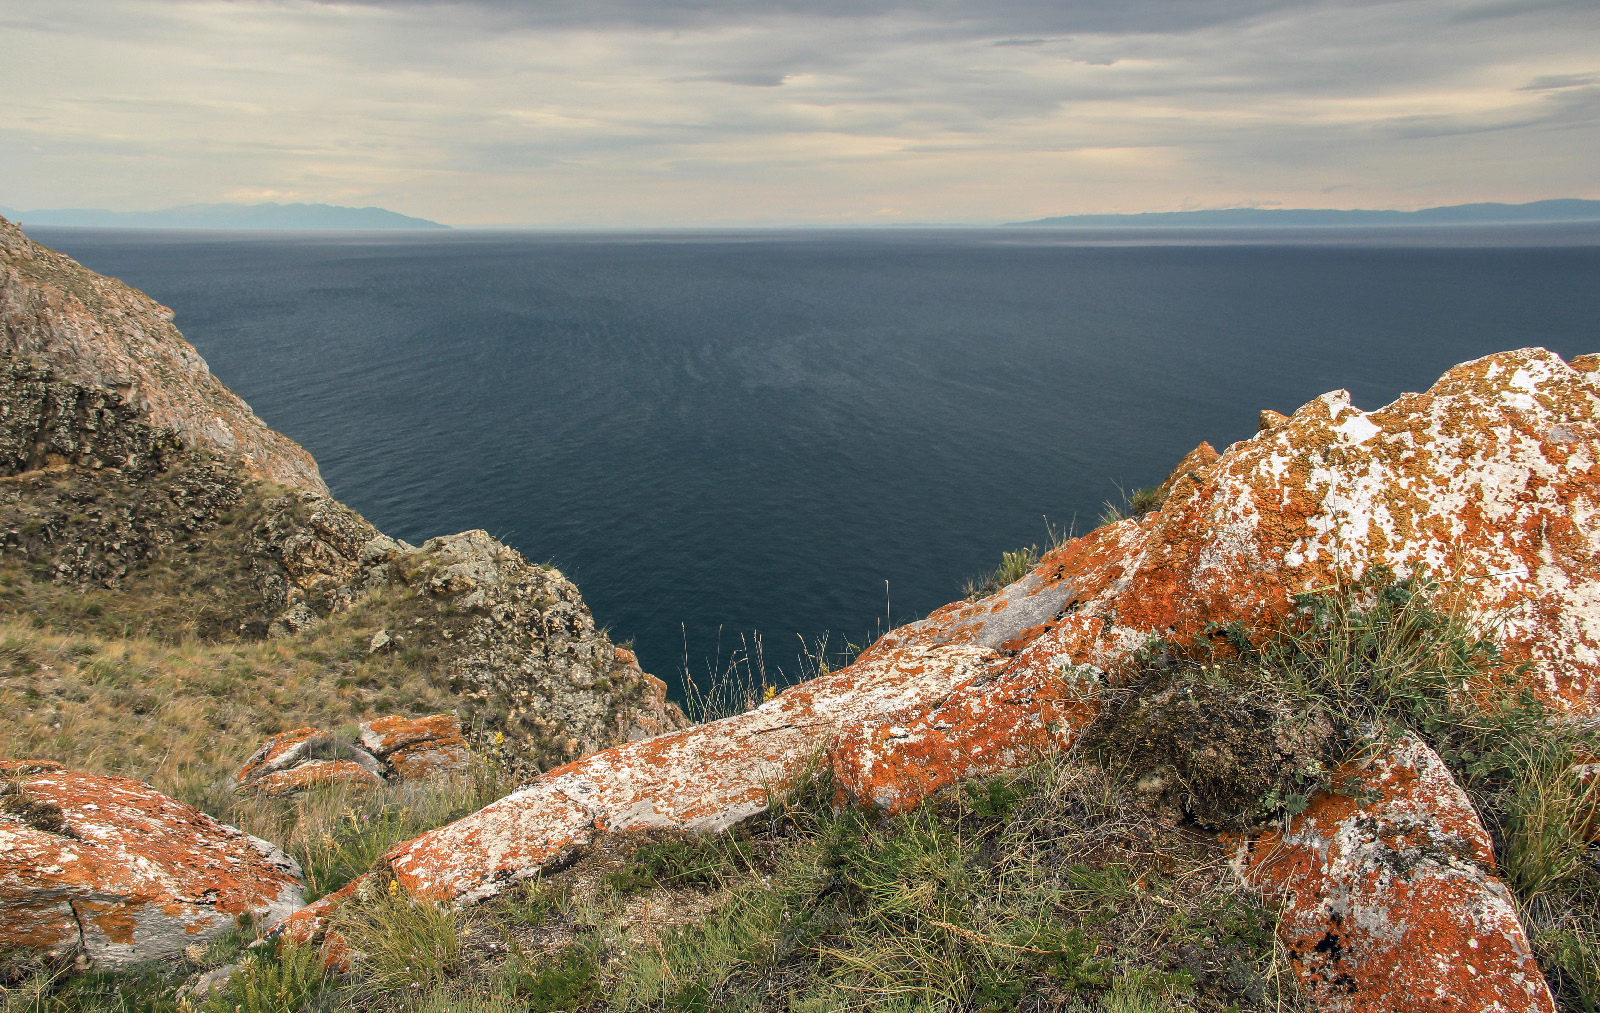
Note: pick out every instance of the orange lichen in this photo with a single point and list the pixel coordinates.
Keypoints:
(141, 876)
(1387, 901)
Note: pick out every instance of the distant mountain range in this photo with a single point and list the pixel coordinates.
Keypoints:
(1564, 210)
(227, 216)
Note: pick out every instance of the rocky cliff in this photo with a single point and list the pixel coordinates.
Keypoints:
(94, 373)
(134, 484)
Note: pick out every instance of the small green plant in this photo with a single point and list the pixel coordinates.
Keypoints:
(32, 992)
(993, 800)
(145, 988)
(1574, 956)
(1135, 504)
(284, 980)
(531, 903)
(1545, 813)
(567, 982)
(1013, 567)
(1136, 992)
(732, 685)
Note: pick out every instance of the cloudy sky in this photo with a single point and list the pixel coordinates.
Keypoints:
(747, 112)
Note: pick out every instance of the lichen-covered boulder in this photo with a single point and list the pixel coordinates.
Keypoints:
(298, 760)
(111, 867)
(386, 750)
(705, 778)
(1493, 475)
(1387, 897)
(418, 749)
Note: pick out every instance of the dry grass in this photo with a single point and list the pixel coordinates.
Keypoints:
(184, 716)
(338, 832)
(149, 664)
(188, 534)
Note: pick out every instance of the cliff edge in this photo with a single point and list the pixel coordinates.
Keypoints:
(142, 501)
(95, 373)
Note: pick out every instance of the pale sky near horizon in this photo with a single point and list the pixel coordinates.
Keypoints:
(775, 112)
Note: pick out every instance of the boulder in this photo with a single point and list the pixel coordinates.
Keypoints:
(389, 749)
(112, 868)
(1387, 895)
(294, 620)
(1493, 475)
(418, 749)
(704, 779)
(295, 761)
(1269, 419)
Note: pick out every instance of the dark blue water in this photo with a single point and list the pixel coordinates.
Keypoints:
(757, 431)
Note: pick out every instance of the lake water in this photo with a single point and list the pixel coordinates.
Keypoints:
(759, 431)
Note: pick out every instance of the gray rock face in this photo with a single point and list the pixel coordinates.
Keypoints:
(46, 422)
(515, 640)
(101, 355)
(523, 647)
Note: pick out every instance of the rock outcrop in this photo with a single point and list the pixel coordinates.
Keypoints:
(111, 868)
(388, 750)
(417, 749)
(94, 373)
(1493, 475)
(1387, 897)
(515, 639)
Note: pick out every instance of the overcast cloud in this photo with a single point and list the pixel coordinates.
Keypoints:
(692, 112)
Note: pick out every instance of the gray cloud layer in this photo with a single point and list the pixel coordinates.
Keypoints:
(762, 111)
(959, 16)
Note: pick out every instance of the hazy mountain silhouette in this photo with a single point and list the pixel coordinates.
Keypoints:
(228, 216)
(1561, 210)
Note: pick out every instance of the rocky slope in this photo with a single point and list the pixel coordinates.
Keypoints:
(137, 493)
